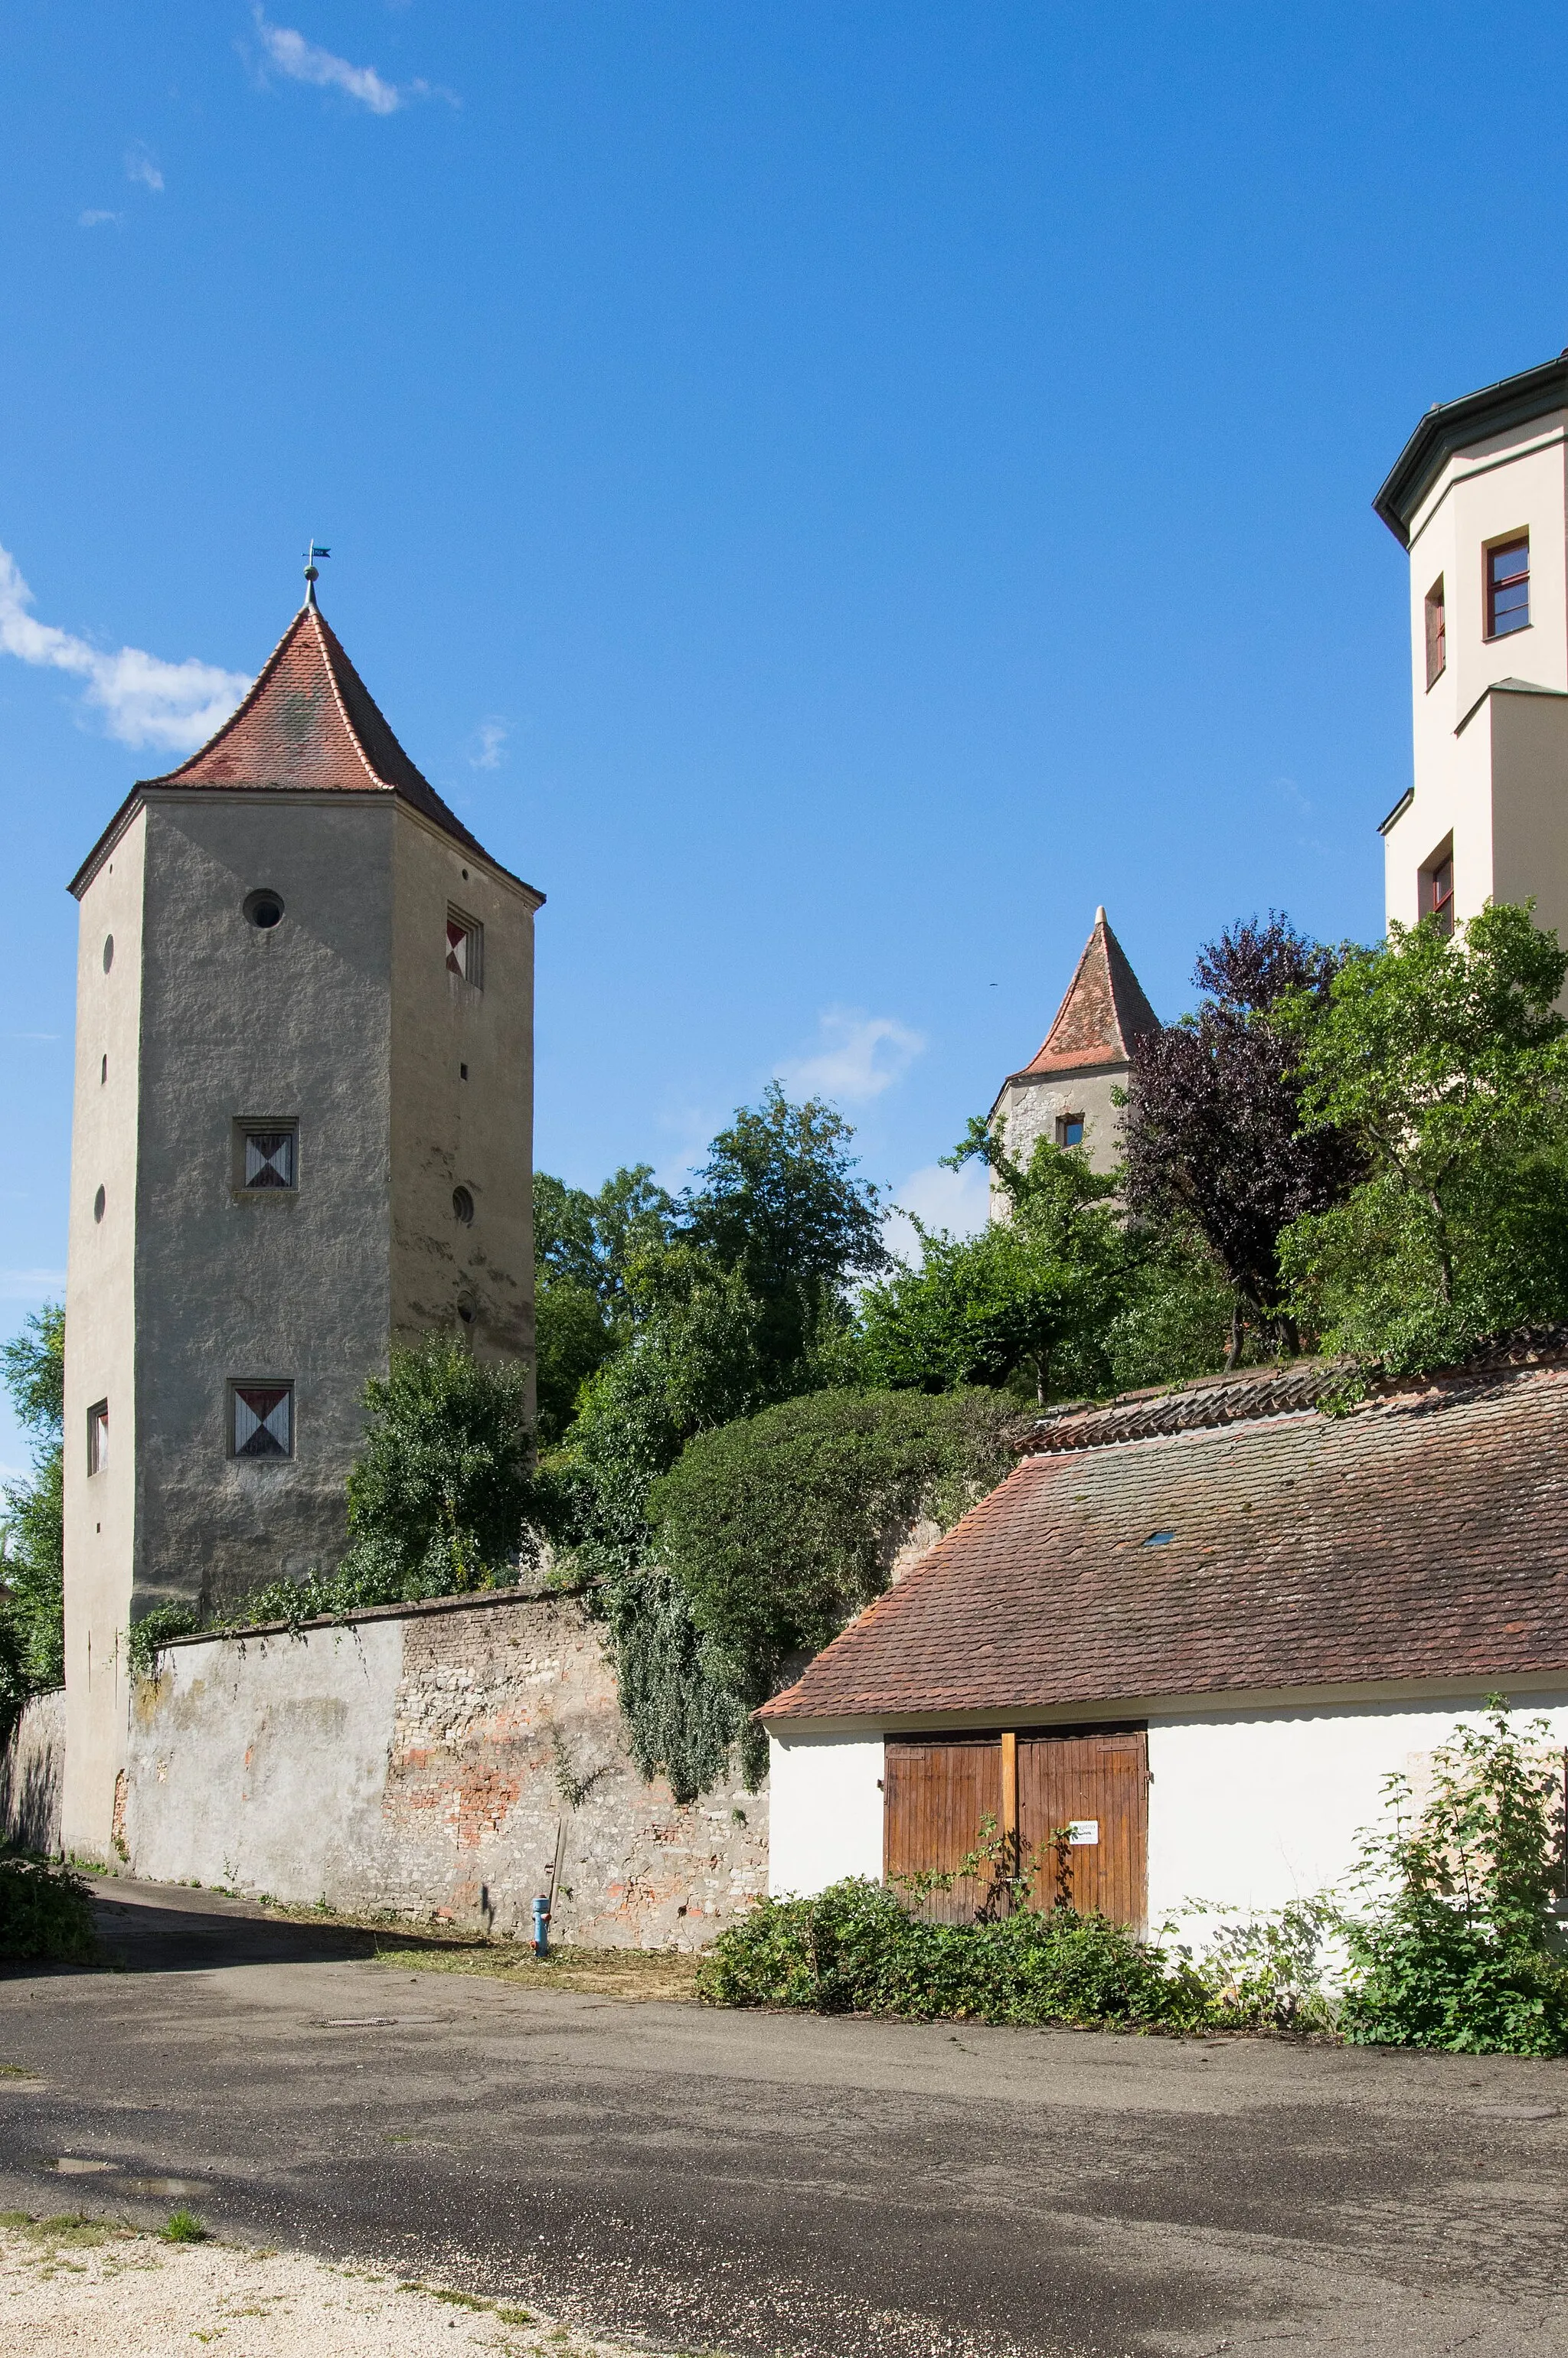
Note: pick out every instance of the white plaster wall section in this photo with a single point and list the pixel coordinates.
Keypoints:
(1252, 1812)
(462, 1100)
(825, 1810)
(102, 1507)
(262, 1765)
(1501, 484)
(286, 1023)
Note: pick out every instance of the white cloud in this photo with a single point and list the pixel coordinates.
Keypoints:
(30, 1284)
(489, 739)
(140, 167)
(302, 60)
(858, 1058)
(143, 701)
(939, 1198)
(96, 218)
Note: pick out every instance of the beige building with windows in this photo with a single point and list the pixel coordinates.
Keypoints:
(1479, 498)
(302, 1130)
(1066, 1092)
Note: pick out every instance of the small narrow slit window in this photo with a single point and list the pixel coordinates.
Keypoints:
(1508, 588)
(1070, 1129)
(465, 947)
(269, 1157)
(1439, 896)
(261, 1419)
(98, 1436)
(1436, 633)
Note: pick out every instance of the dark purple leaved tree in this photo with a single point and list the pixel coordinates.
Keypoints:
(1212, 1117)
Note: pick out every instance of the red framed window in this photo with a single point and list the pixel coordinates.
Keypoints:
(1440, 892)
(1436, 633)
(1508, 588)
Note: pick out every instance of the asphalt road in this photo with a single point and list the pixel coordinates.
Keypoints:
(761, 2184)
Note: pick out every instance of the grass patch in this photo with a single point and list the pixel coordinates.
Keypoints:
(72, 2230)
(634, 1973)
(46, 1914)
(183, 2227)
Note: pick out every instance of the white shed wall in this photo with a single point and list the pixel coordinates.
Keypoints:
(825, 1818)
(1252, 1812)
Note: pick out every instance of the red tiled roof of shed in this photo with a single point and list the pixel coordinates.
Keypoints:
(1422, 1536)
(1102, 1014)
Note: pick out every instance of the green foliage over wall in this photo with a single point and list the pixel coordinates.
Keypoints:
(1461, 1948)
(780, 1529)
(1447, 1063)
(32, 1585)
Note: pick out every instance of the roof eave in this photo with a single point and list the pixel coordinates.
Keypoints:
(1450, 426)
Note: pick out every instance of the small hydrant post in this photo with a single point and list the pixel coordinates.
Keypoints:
(541, 1926)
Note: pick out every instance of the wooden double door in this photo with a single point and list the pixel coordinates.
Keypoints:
(1070, 1808)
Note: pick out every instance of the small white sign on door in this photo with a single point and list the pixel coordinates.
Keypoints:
(1084, 1830)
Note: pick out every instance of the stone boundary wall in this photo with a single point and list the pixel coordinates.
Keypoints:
(32, 1775)
(426, 1759)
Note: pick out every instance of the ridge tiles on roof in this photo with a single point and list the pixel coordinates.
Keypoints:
(1104, 1010)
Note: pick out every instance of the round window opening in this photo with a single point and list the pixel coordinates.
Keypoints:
(108, 952)
(465, 1314)
(462, 1205)
(99, 1201)
(264, 909)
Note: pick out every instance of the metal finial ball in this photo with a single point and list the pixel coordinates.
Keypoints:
(311, 573)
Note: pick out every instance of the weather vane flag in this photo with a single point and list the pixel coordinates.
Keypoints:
(311, 573)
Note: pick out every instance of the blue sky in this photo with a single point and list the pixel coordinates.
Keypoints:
(830, 493)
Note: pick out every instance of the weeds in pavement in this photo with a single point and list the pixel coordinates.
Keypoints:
(183, 2227)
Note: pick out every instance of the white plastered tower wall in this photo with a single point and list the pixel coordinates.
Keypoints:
(100, 1365)
(1490, 733)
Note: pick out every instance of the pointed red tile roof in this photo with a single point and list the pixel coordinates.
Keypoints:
(309, 721)
(1102, 1014)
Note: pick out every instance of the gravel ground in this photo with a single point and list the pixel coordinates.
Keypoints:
(69, 2285)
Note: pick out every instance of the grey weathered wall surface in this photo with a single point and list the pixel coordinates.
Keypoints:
(423, 1759)
(32, 1775)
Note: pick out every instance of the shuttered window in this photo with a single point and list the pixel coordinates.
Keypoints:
(262, 1420)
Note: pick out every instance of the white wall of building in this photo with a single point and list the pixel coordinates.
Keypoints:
(1465, 787)
(826, 1816)
(1250, 1812)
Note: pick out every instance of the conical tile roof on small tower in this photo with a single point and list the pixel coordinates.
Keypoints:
(1104, 1011)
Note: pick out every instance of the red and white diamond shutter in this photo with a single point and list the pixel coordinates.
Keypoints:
(264, 1420)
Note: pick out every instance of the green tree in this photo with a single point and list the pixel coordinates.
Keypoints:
(778, 1204)
(32, 1582)
(441, 1489)
(584, 1247)
(1034, 1294)
(1446, 1061)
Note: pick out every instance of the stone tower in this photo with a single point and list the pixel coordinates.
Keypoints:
(302, 1130)
(1480, 499)
(1063, 1093)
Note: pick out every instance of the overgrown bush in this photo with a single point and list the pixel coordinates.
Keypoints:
(856, 1949)
(780, 1528)
(46, 1914)
(1461, 1948)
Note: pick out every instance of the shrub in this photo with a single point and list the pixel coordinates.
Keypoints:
(856, 1949)
(46, 1914)
(1461, 1950)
